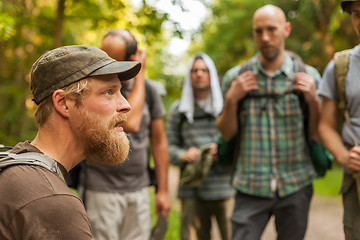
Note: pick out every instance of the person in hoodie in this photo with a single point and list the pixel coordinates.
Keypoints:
(190, 128)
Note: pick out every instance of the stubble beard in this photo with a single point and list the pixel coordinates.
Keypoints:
(270, 56)
(103, 144)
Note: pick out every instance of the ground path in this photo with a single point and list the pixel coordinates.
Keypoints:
(325, 217)
(325, 220)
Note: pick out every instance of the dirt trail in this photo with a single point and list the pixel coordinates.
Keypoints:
(325, 220)
(325, 216)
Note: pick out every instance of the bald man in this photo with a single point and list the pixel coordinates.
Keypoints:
(117, 197)
(274, 173)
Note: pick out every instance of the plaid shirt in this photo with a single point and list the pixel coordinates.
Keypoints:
(183, 135)
(273, 157)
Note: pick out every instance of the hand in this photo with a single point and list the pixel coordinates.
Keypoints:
(140, 56)
(307, 85)
(244, 83)
(162, 203)
(213, 151)
(190, 155)
(213, 148)
(353, 161)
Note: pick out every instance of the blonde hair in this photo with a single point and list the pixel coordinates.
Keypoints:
(75, 91)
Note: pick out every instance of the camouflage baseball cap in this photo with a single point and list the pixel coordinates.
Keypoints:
(63, 66)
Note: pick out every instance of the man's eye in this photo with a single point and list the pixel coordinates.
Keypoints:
(108, 92)
(355, 14)
(258, 31)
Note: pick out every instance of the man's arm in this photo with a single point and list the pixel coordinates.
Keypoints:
(159, 149)
(136, 97)
(332, 139)
(227, 122)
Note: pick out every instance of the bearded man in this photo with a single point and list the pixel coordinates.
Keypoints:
(79, 116)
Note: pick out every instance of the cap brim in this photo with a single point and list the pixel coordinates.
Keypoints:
(346, 6)
(125, 69)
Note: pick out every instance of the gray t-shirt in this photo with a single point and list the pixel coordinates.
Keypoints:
(131, 175)
(328, 89)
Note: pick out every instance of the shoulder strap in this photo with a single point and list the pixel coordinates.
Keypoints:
(148, 96)
(301, 67)
(30, 158)
(182, 120)
(341, 60)
(299, 64)
(244, 67)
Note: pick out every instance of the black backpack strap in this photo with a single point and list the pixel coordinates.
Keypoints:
(299, 66)
(244, 67)
(149, 102)
(148, 96)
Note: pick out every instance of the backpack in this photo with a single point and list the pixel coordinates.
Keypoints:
(8, 159)
(149, 102)
(341, 60)
(320, 157)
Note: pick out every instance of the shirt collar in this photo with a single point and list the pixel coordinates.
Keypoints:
(287, 68)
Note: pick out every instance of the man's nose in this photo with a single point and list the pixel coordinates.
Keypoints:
(265, 36)
(123, 105)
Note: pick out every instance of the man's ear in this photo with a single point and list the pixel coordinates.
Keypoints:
(60, 103)
(287, 29)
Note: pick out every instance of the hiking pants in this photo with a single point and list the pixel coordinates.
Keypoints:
(251, 215)
(351, 211)
(197, 215)
(119, 216)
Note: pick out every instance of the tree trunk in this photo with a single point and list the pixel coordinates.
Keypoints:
(59, 24)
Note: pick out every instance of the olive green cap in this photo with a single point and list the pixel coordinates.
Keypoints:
(63, 66)
(346, 5)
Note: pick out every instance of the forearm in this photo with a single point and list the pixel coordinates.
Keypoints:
(161, 159)
(136, 100)
(176, 154)
(159, 149)
(333, 142)
(328, 131)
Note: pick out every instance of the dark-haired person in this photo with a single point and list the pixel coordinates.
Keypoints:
(342, 145)
(117, 197)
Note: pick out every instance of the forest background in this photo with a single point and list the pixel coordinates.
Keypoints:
(28, 28)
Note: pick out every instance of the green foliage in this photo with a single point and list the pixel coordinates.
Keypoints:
(319, 29)
(6, 26)
(329, 185)
(27, 29)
